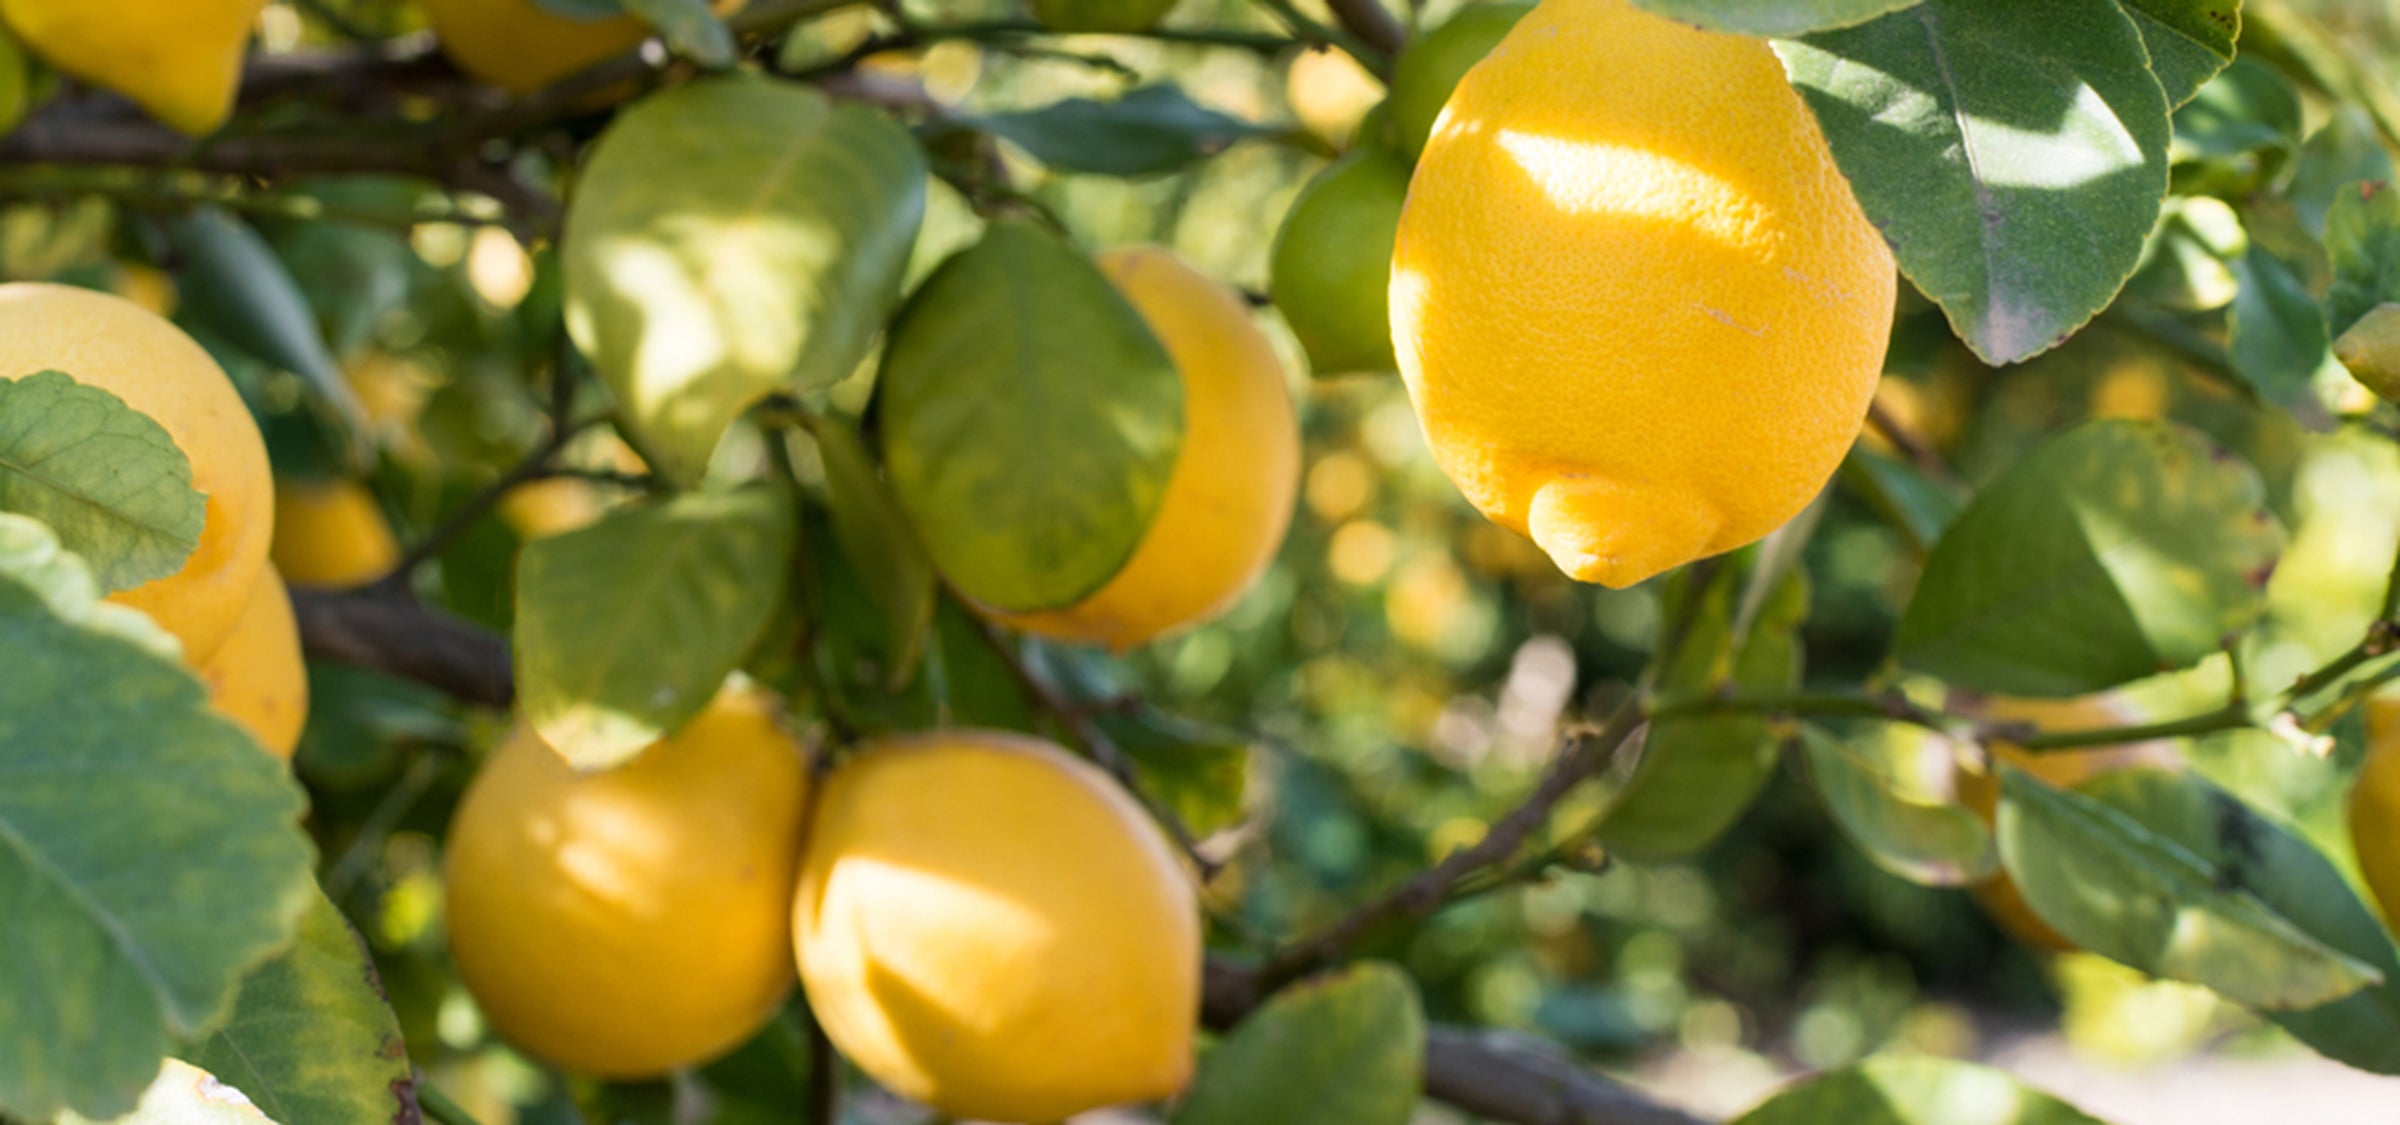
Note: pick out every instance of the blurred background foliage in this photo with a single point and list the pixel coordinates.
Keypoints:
(1406, 662)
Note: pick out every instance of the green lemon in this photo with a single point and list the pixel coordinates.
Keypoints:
(1333, 260)
(1433, 63)
(1101, 16)
(2371, 350)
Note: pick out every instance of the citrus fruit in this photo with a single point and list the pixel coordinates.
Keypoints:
(627, 923)
(181, 60)
(519, 47)
(2375, 807)
(1101, 15)
(1331, 268)
(257, 677)
(2370, 349)
(1429, 69)
(1230, 496)
(1330, 93)
(331, 533)
(113, 344)
(1638, 311)
(993, 928)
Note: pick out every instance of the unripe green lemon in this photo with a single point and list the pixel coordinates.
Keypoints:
(2371, 350)
(1432, 65)
(1332, 266)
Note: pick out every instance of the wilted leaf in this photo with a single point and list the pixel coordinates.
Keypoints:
(108, 481)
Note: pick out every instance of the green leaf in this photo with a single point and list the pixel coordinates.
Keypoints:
(353, 274)
(2116, 551)
(2189, 40)
(732, 238)
(1907, 1090)
(2247, 852)
(2277, 337)
(233, 283)
(1697, 775)
(2013, 154)
(2362, 236)
(1199, 772)
(1904, 830)
(691, 28)
(1150, 131)
(1765, 18)
(1916, 505)
(149, 852)
(1347, 1047)
(108, 480)
(2346, 151)
(583, 11)
(883, 549)
(1030, 421)
(311, 1038)
(627, 628)
(2248, 109)
(2137, 896)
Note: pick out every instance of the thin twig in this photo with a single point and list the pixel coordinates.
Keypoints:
(461, 520)
(1920, 453)
(1374, 24)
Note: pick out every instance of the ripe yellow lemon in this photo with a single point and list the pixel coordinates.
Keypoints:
(257, 677)
(331, 533)
(181, 60)
(1429, 69)
(2375, 808)
(1639, 313)
(1331, 268)
(993, 928)
(2064, 769)
(1330, 93)
(120, 347)
(627, 923)
(519, 47)
(1229, 499)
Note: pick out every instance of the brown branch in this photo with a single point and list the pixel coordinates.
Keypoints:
(1373, 23)
(393, 633)
(1507, 1077)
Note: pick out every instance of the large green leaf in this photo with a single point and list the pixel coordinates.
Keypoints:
(1147, 132)
(2277, 335)
(2362, 235)
(1902, 1090)
(627, 628)
(2335, 159)
(311, 1038)
(1696, 775)
(1347, 1047)
(871, 529)
(691, 28)
(108, 480)
(2189, 40)
(1030, 421)
(1773, 17)
(1866, 784)
(2245, 851)
(233, 283)
(2136, 895)
(2116, 551)
(150, 852)
(732, 238)
(2014, 154)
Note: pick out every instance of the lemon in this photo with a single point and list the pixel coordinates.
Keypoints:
(1638, 310)
(1230, 496)
(991, 927)
(257, 677)
(179, 59)
(2063, 769)
(1331, 94)
(1429, 69)
(1101, 15)
(2375, 807)
(628, 923)
(111, 343)
(331, 533)
(519, 47)
(1332, 264)
(2370, 349)
(545, 508)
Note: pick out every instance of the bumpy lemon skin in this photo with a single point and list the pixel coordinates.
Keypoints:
(627, 923)
(515, 45)
(1638, 310)
(111, 343)
(181, 60)
(1229, 499)
(258, 677)
(331, 533)
(991, 927)
(2375, 808)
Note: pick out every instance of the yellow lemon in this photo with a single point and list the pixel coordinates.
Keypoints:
(545, 508)
(993, 928)
(1332, 264)
(2064, 769)
(257, 677)
(519, 47)
(111, 343)
(628, 923)
(331, 533)
(1639, 313)
(1230, 497)
(1429, 69)
(1330, 93)
(2375, 807)
(179, 59)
